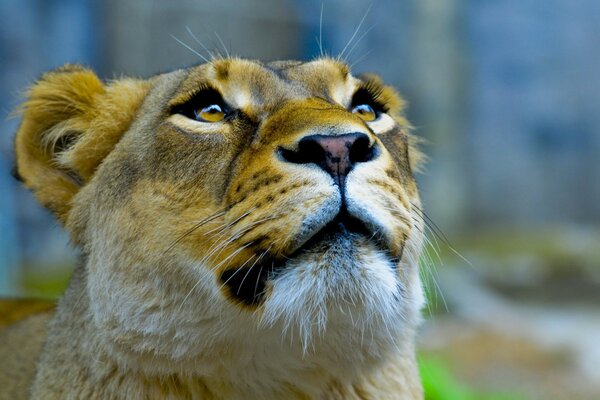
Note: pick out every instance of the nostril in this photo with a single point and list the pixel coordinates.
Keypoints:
(309, 151)
(361, 150)
(335, 154)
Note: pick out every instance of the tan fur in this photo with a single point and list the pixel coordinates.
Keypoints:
(21, 344)
(71, 103)
(167, 211)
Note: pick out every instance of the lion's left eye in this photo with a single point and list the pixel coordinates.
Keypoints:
(210, 113)
(365, 111)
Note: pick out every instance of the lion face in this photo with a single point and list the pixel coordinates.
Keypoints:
(233, 205)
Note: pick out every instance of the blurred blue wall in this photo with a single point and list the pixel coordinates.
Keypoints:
(506, 93)
(534, 102)
(35, 35)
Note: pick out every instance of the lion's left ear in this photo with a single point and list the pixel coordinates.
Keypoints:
(70, 123)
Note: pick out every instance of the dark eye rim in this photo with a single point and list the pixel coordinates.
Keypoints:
(364, 96)
(201, 100)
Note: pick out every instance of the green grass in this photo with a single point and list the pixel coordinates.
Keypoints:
(38, 284)
(440, 384)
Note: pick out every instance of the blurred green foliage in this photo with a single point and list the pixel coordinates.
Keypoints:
(440, 384)
(48, 284)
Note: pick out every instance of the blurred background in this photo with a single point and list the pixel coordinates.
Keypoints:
(506, 95)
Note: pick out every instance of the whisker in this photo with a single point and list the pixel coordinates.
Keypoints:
(440, 234)
(250, 269)
(216, 246)
(341, 55)
(229, 257)
(230, 224)
(190, 49)
(431, 269)
(360, 38)
(236, 235)
(238, 269)
(258, 278)
(361, 58)
(321, 31)
(222, 44)
(192, 229)
(213, 269)
(427, 263)
(434, 225)
(210, 53)
(424, 231)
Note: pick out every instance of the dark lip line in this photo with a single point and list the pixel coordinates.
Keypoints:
(271, 266)
(343, 221)
(346, 221)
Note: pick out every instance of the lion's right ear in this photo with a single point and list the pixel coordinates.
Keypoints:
(70, 123)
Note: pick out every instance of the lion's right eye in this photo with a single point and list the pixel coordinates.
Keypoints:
(211, 113)
(205, 106)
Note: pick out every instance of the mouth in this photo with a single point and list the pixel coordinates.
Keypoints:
(248, 285)
(343, 226)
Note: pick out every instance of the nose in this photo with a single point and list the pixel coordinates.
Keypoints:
(336, 155)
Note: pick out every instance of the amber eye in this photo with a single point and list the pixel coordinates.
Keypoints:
(210, 113)
(365, 112)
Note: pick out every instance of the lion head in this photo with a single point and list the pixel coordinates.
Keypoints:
(234, 211)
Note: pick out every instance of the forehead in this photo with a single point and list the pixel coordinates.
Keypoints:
(248, 84)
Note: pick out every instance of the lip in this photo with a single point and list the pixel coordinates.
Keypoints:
(344, 223)
(248, 285)
(338, 217)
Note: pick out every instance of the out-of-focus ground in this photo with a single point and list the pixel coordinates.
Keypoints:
(513, 315)
(523, 318)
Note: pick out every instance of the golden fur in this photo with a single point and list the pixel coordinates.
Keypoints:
(216, 262)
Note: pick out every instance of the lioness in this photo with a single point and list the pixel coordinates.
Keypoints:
(247, 231)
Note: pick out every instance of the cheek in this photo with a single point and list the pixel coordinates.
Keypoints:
(159, 309)
(375, 193)
(141, 294)
(188, 159)
(397, 146)
(409, 269)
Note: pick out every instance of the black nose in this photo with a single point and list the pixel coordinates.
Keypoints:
(336, 155)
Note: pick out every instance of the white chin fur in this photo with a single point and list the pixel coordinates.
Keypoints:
(359, 299)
